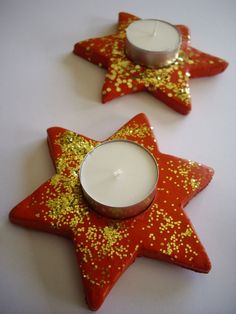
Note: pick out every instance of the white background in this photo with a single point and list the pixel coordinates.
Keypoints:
(42, 84)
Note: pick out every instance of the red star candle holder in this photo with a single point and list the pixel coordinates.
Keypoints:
(105, 247)
(169, 84)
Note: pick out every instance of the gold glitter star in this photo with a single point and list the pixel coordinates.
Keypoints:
(169, 84)
(106, 247)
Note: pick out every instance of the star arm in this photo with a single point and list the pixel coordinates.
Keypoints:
(139, 130)
(100, 50)
(180, 102)
(122, 78)
(36, 210)
(96, 50)
(104, 249)
(168, 235)
(199, 64)
(50, 204)
(181, 179)
(124, 19)
(68, 149)
(170, 85)
(202, 64)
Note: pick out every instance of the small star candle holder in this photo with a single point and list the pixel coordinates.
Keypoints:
(161, 70)
(104, 246)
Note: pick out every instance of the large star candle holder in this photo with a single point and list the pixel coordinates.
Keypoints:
(170, 84)
(105, 247)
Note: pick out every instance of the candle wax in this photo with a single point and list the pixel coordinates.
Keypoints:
(118, 174)
(153, 35)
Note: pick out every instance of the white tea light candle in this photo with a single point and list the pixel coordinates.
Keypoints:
(119, 178)
(152, 43)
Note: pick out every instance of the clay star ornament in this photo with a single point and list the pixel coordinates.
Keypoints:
(168, 84)
(106, 247)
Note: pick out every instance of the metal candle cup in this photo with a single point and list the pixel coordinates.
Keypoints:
(152, 43)
(119, 178)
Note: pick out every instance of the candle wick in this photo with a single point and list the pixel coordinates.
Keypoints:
(117, 173)
(154, 33)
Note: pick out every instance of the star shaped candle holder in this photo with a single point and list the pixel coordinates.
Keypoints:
(105, 247)
(169, 84)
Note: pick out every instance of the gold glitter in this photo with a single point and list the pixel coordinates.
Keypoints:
(137, 130)
(152, 236)
(185, 171)
(74, 148)
(177, 241)
(194, 184)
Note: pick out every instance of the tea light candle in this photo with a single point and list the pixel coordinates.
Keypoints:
(119, 178)
(152, 43)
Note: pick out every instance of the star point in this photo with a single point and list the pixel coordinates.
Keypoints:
(168, 84)
(106, 247)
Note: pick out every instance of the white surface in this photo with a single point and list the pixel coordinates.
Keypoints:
(153, 35)
(126, 174)
(43, 84)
